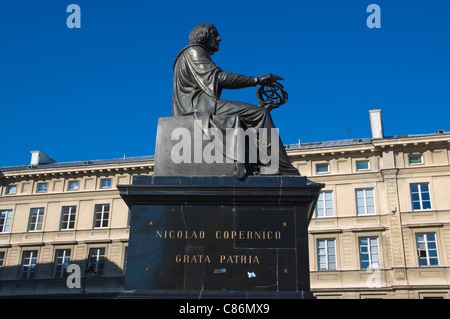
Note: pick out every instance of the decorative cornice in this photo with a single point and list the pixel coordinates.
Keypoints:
(375, 146)
(73, 171)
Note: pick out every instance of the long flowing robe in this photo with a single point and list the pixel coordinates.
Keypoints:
(197, 85)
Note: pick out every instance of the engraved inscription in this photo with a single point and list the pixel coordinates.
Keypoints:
(223, 259)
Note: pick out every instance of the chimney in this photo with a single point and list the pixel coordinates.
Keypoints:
(38, 158)
(376, 124)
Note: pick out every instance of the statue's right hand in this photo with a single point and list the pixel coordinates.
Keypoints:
(268, 78)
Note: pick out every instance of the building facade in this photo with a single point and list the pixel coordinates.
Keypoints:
(56, 214)
(381, 227)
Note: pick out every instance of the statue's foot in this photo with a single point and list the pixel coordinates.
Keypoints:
(270, 171)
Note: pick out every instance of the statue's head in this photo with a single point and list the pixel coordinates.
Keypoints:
(206, 34)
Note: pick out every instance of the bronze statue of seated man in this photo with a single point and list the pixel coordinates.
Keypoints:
(197, 86)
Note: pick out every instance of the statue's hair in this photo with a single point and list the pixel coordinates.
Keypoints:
(200, 33)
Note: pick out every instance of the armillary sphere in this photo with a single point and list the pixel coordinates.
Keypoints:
(273, 93)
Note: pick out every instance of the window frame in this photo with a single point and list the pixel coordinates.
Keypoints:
(9, 188)
(365, 197)
(72, 213)
(420, 193)
(96, 260)
(369, 252)
(427, 249)
(101, 214)
(39, 219)
(70, 183)
(2, 258)
(412, 156)
(61, 263)
(327, 255)
(5, 222)
(125, 260)
(362, 169)
(38, 190)
(324, 202)
(322, 165)
(106, 180)
(30, 270)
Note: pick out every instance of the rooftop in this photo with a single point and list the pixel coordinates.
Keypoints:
(81, 163)
(299, 146)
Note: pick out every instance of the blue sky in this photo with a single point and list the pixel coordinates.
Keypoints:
(97, 92)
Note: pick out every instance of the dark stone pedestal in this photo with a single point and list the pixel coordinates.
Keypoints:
(218, 237)
(194, 143)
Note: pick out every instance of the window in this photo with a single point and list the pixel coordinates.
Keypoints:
(324, 207)
(326, 254)
(101, 216)
(362, 165)
(73, 185)
(415, 159)
(5, 220)
(62, 260)
(36, 219)
(105, 183)
(42, 187)
(365, 202)
(125, 260)
(29, 259)
(11, 189)
(420, 196)
(427, 249)
(322, 168)
(96, 261)
(2, 258)
(68, 217)
(368, 252)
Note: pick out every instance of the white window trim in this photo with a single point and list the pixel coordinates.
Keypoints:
(8, 190)
(69, 183)
(365, 202)
(415, 155)
(71, 212)
(369, 254)
(103, 180)
(66, 252)
(2, 258)
(326, 240)
(40, 212)
(102, 218)
(323, 164)
(420, 197)
(39, 191)
(362, 169)
(8, 217)
(96, 260)
(427, 250)
(324, 206)
(29, 264)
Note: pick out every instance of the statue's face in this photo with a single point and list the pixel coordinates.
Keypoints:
(213, 41)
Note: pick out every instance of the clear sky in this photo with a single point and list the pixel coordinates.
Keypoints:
(97, 92)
